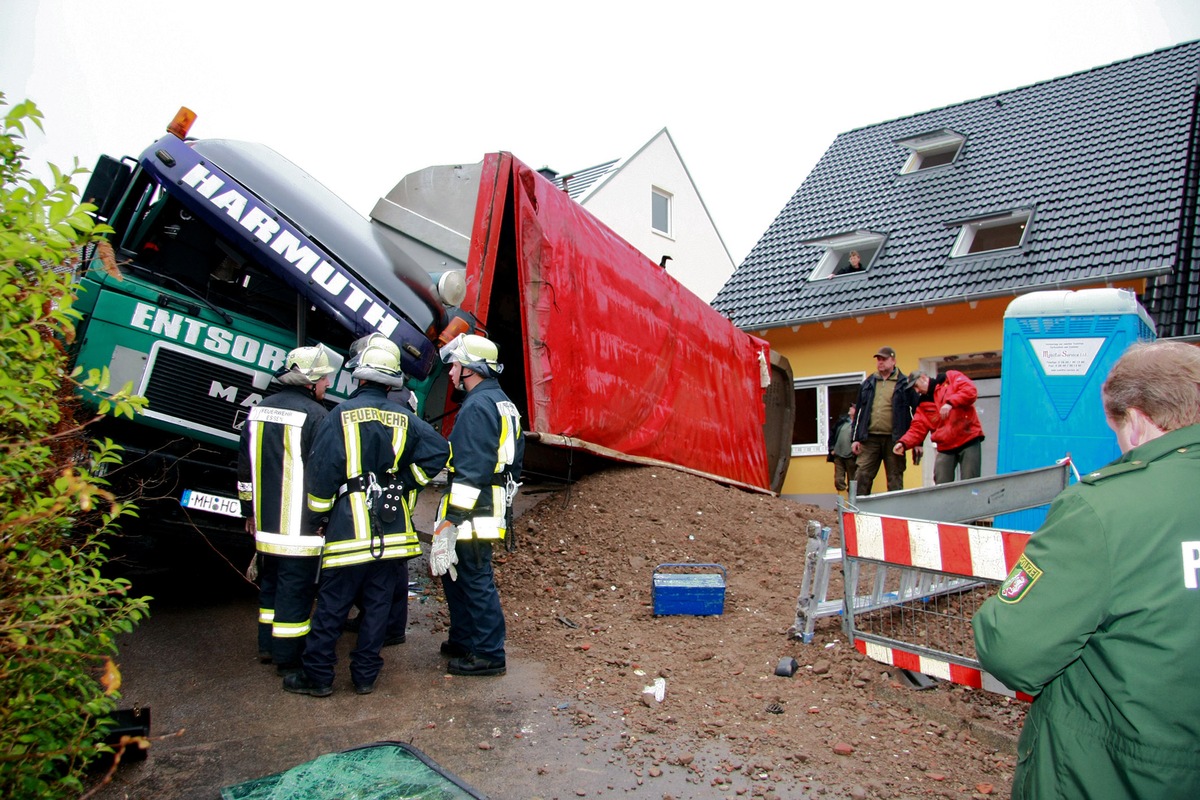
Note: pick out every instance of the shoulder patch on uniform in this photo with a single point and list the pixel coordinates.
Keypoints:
(1113, 469)
(1024, 575)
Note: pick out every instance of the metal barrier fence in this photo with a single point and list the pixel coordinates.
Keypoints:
(888, 587)
(918, 540)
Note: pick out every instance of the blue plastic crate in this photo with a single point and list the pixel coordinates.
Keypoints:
(698, 594)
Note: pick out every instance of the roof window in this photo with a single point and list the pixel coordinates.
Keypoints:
(838, 262)
(934, 149)
(995, 232)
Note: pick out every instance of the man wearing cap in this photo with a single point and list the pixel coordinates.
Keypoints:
(272, 456)
(884, 413)
(486, 454)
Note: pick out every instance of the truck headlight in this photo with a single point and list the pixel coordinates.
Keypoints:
(452, 287)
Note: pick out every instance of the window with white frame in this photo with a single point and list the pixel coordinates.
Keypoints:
(660, 211)
(820, 400)
(933, 149)
(993, 232)
(838, 250)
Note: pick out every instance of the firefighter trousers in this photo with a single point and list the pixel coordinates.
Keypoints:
(286, 588)
(476, 619)
(398, 618)
(375, 582)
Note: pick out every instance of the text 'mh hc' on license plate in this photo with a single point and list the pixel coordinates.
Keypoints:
(214, 503)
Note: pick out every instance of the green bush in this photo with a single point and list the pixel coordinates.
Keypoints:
(59, 615)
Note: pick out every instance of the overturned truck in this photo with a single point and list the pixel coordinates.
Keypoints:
(225, 255)
(618, 358)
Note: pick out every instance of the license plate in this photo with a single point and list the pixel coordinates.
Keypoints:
(214, 503)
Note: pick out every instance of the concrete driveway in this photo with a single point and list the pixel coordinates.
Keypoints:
(220, 718)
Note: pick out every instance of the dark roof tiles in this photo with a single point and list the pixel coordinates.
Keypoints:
(580, 181)
(1100, 156)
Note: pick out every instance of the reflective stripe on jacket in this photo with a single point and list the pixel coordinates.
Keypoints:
(370, 435)
(274, 444)
(486, 446)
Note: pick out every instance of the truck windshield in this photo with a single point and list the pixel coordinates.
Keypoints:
(168, 245)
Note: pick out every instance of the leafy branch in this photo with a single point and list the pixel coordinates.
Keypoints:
(59, 615)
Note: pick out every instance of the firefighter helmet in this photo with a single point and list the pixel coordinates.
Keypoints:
(305, 366)
(475, 353)
(376, 358)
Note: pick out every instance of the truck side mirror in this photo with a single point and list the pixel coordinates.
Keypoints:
(107, 185)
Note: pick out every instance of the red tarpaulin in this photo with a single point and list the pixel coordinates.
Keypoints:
(619, 357)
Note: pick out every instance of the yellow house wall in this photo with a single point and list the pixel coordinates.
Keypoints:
(849, 345)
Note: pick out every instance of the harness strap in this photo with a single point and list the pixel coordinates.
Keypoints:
(358, 483)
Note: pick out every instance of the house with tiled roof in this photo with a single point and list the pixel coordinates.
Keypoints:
(1084, 181)
(649, 199)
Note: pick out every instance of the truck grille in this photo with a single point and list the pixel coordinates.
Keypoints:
(196, 392)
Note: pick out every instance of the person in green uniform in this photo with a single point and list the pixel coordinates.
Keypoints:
(1100, 617)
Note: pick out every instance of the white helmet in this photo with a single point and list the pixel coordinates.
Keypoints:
(376, 358)
(475, 353)
(305, 366)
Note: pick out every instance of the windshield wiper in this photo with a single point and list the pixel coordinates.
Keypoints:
(220, 312)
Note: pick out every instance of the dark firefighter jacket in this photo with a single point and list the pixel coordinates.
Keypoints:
(274, 443)
(486, 446)
(370, 456)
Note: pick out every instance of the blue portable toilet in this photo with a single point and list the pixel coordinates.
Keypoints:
(1058, 348)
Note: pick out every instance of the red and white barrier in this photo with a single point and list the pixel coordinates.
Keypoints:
(986, 553)
(936, 668)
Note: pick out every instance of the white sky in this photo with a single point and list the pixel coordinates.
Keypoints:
(361, 93)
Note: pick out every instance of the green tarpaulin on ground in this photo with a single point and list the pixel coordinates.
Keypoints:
(380, 771)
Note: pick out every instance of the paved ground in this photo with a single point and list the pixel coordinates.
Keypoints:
(220, 718)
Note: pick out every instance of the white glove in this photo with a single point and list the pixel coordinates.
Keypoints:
(442, 555)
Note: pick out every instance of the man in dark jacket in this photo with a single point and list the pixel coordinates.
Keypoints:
(369, 457)
(884, 412)
(272, 458)
(841, 438)
(486, 454)
(1098, 619)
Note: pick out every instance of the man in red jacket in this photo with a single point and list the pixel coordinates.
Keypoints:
(947, 410)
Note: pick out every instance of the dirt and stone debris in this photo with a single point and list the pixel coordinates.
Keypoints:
(579, 598)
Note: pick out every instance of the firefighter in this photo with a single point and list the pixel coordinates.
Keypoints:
(486, 453)
(371, 455)
(274, 442)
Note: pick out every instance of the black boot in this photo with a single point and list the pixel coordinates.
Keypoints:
(300, 683)
(451, 650)
(474, 665)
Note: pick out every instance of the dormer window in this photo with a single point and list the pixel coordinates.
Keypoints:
(929, 150)
(838, 260)
(994, 232)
